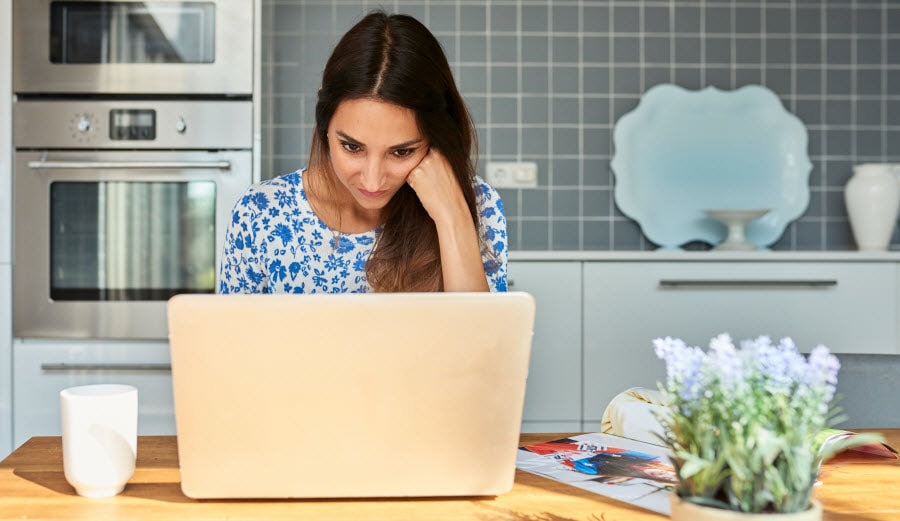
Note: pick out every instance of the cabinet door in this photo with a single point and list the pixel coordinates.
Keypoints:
(5, 358)
(553, 394)
(42, 369)
(849, 307)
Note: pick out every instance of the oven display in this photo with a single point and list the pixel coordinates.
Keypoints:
(132, 124)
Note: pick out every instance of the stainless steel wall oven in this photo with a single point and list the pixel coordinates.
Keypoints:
(132, 47)
(134, 135)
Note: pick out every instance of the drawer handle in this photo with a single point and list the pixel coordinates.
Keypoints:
(106, 367)
(750, 283)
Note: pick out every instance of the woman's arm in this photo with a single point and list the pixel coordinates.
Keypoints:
(436, 186)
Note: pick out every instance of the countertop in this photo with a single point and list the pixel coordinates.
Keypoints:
(699, 256)
(32, 486)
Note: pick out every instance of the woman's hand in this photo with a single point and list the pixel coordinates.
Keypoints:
(435, 184)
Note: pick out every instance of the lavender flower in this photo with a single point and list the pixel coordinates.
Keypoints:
(726, 363)
(683, 366)
(821, 374)
(737, 411)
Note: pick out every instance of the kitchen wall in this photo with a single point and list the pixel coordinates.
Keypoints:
(547, 80)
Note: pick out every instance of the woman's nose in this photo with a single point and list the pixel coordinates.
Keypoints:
(372, 175)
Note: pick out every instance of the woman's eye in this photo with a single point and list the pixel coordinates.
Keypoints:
(350, 147)
(403, 152)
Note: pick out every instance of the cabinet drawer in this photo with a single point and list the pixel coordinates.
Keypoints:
(41, 369)
(849, 307)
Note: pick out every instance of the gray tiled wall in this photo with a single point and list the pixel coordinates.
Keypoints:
(547, 80)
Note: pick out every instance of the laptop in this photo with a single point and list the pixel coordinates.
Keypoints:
(349, 395)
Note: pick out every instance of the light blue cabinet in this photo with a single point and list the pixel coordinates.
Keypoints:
(553, 394)
(42, 368)
(6, 404)
(851, 307)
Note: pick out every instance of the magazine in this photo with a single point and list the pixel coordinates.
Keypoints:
(829, 437)
(626, 460)
(632, 471)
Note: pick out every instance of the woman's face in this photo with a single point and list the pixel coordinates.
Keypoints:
(373, 146)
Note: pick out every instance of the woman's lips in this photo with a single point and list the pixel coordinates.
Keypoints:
(372, 195)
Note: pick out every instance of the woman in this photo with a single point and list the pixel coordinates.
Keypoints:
(390, 200)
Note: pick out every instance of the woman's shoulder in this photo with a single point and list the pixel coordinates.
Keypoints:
(488, 199)
(279, 190)
(484, 190)
(292, 181)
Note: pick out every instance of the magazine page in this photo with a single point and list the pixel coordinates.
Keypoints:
(632, 471)
(829, 437)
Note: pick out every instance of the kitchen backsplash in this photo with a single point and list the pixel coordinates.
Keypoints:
(547, 80)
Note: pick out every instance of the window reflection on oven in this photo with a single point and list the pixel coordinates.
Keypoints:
(131, 240)
(132, 32)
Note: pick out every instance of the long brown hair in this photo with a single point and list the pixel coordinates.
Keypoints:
(394, 58)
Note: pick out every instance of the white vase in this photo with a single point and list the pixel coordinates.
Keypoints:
(686, 511)
(872, 196)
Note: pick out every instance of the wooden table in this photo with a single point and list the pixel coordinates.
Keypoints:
(32, 486)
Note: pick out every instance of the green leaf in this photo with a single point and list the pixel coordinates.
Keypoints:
(693, 465)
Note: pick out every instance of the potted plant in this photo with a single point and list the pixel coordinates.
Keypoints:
(744, 426)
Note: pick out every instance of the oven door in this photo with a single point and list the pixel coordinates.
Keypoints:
(133, 47)
(103, 239)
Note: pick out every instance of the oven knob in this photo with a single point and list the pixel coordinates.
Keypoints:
(82, 127)
(180, 125)
(84, 124)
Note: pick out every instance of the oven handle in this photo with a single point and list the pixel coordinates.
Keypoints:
(93, 165)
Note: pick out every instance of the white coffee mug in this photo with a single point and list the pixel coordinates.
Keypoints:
(99, 437)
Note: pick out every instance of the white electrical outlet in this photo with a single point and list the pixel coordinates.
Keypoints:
(511, 174)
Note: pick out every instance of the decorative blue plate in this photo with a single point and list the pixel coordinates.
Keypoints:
(680, 152)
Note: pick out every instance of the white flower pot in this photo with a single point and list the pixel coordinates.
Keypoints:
(687, 511)
(872, 196)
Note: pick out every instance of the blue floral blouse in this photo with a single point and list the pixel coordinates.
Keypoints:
(275, 243)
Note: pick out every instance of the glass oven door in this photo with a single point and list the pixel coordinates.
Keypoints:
(132, 47)
(131, 240)
(104, 239)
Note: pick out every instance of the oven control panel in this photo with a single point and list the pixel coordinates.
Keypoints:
(195, 124)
